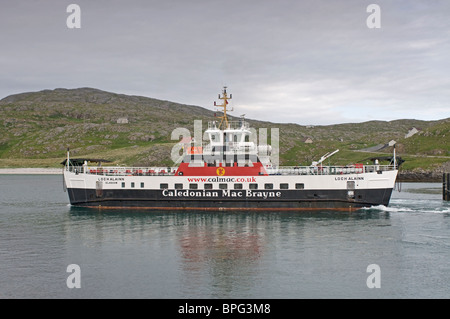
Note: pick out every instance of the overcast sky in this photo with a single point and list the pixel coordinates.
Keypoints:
(305, 62)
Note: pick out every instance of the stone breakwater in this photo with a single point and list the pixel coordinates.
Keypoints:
(422, 175)
(426, 176)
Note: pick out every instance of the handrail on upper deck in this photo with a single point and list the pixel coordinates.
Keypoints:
(122, 171)
(234, 125)
(328, 170)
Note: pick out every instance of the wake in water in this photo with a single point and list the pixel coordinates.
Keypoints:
(383, 208)
(413, 206)
(416, 198)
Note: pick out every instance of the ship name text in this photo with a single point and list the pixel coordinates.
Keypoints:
(349, 178)
(223, 193)
(111, 180)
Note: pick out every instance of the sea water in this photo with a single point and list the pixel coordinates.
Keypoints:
(399, 251)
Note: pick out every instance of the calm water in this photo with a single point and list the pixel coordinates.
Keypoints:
(138, 254)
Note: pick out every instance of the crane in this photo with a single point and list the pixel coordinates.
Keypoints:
(324, 158)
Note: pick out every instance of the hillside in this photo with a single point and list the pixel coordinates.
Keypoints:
(37, 127)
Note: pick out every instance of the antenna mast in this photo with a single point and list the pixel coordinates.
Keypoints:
(225, 99)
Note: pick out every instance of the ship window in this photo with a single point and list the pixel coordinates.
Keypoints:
(208, 186)
(142, 185)
(237, 186)
(253, 186)
(284, 186)
(299, 186)
(268, 186)
(178, 186)
(164, 186)
(132, 184)
(223, 186)
(123, 184)
(350, 185)
(193, 186)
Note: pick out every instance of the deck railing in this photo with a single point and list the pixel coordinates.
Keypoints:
(123, 171)
(233, 125)
(328, 170)
(282, 170)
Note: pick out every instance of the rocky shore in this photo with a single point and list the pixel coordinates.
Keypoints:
(422, 175)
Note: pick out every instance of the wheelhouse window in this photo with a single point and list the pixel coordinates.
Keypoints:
(299, 186)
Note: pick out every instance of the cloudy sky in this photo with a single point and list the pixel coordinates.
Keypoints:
(300, 61)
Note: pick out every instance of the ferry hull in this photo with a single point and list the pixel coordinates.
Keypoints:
(286, 200)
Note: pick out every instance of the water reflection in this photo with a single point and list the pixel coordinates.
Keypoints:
(217, 254)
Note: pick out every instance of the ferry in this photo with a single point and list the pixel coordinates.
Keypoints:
(229, 172)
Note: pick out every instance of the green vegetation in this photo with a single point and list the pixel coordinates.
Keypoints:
(37, 128)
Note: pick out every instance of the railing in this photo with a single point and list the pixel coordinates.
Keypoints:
(282, 170)
(123, 171)
(328, 170)
(232, 148)
(233, 125)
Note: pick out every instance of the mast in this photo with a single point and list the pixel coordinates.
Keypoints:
(68, 158)
(225, 98)
(395, 159)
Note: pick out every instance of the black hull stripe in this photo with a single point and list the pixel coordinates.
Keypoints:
(288, 200)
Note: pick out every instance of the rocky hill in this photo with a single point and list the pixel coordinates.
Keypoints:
(37, 127)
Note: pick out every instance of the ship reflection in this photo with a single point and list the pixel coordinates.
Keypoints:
(220, 253)
(222, 249)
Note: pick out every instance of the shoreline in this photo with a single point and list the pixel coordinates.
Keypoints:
(30, 171)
